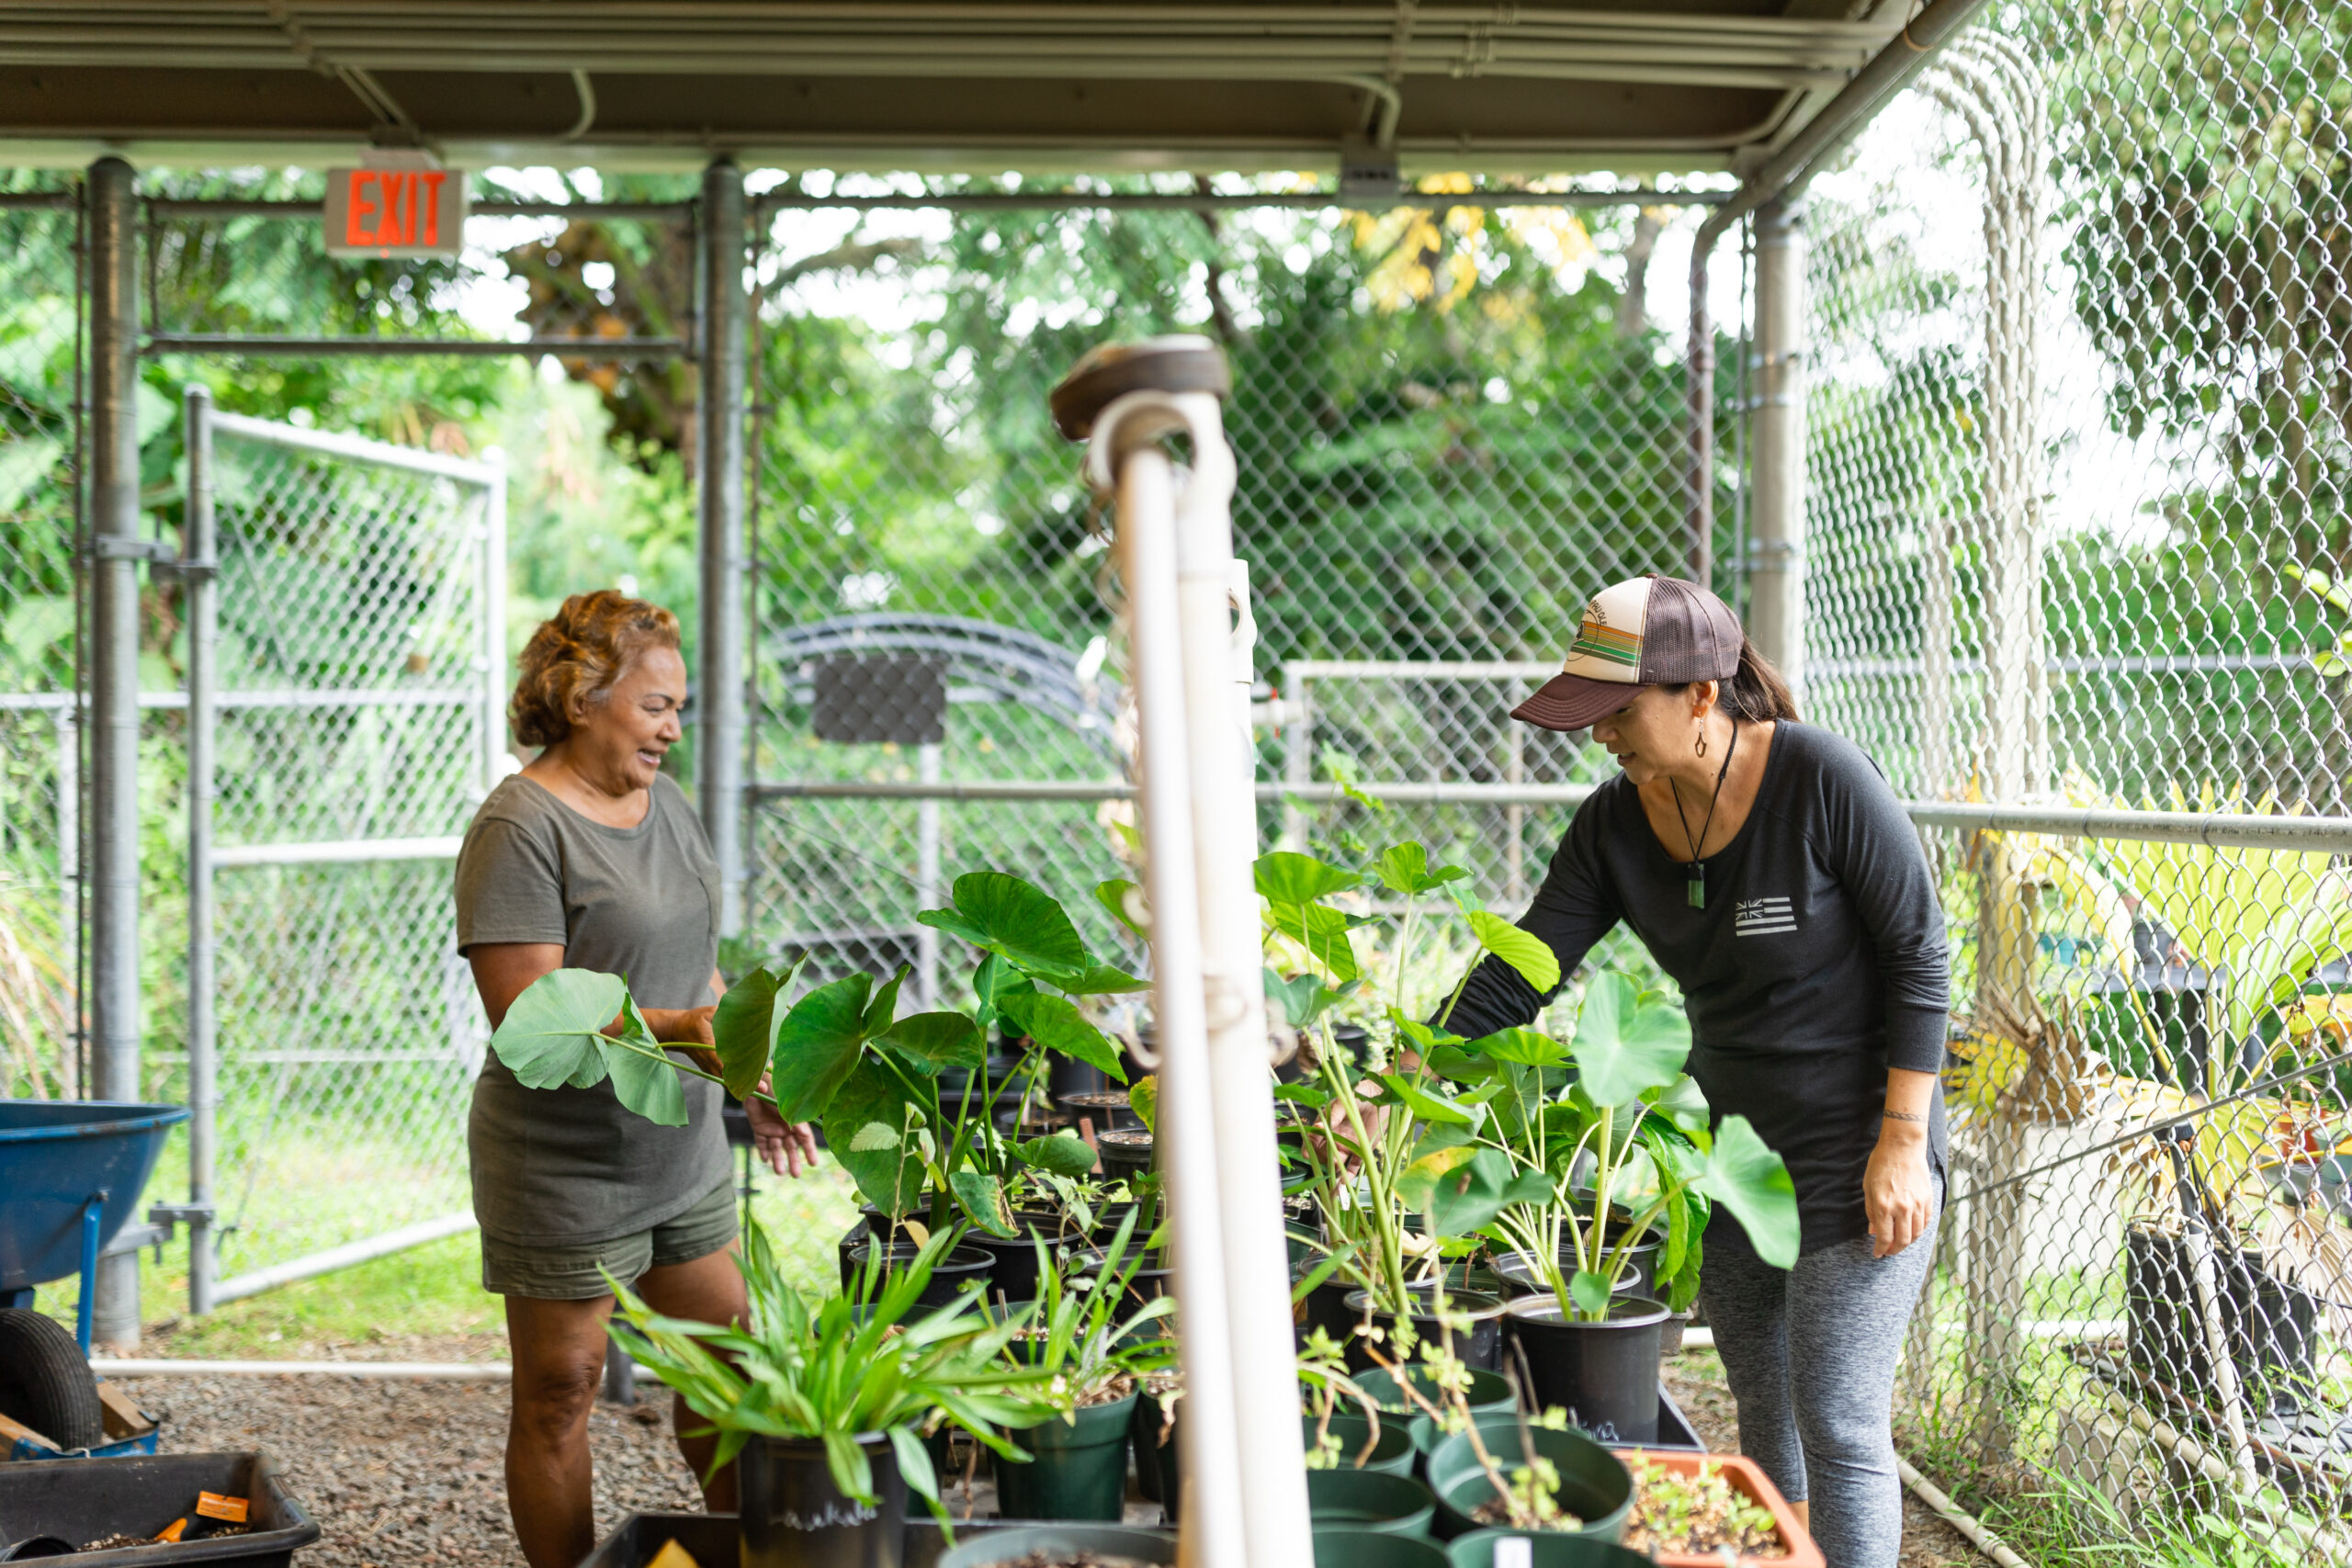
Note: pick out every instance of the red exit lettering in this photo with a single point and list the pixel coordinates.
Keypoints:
(393, 207)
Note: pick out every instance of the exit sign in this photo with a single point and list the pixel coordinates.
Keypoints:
(395, 212)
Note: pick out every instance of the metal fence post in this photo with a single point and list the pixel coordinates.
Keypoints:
(199, 553)
(1776, 567)
(492, 579)
(718, 474)
(116, 549)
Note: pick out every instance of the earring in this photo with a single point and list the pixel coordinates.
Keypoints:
(1702, 740)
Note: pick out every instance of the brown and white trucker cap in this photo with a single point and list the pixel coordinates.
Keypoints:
(1648, 631)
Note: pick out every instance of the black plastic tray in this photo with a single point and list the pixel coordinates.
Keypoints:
(713, 1542)
(88, 1499)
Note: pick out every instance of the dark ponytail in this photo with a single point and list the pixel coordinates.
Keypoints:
(1757, 692)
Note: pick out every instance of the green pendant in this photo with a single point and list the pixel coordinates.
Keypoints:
(1698, 888)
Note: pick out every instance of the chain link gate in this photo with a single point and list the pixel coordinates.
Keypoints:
(358, 721)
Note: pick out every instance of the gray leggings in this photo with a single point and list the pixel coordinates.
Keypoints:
(1810, 1355)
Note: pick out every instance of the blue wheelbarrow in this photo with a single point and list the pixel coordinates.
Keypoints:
(71, 1174)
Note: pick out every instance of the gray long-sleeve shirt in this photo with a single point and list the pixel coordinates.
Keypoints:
(1817, 963)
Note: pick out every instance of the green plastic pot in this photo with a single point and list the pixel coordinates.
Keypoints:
(1545, 1550)
(1348, 1546)
(1488, 1395)
(1078, 1469)
(1393, 1455)
(1370, 1499)
(984, 1549)
(1595, 1486)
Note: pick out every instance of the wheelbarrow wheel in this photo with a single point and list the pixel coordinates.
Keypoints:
(46, 1382)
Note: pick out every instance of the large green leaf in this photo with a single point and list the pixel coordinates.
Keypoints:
(1746, 1177)
(1406, 869)
(1094, 979)
(1007, 916)
(1323, 931)
(1522, 1045)
(1058, 1153)
(743, 1026)
(931, 1041)
(1427, 1106)
(993, 980)
(888, 1171)
(1628, 1041)
(553, 1034)
(1057, 1025)
(1143, 1098)
(1524, 951)
(1113, 896)
(816, 1046)
(1285, 877)
(644, 1079)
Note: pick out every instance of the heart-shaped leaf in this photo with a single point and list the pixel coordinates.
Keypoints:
(1063, 1154)
(1628, 1042)
(743, 1026)
(1285, 877)
(1746, 1177)
(1460, 1191)
(884, 1007)
(1011, 918)
(644, 1081)
(1406, 869)
(1524, 951)
(992, 981)
(1522, 1045)
(1323, 931)
(816, 1046)
(553, 1034)
(1116, 895)
(981, 1197)
(1057, 1025)
(889, 1176)
(931, 1041)
(1143, 1098)
(1590, 1292)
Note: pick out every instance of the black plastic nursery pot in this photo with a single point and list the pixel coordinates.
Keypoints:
(1324, 1307)
(1595, 1486)
(1488, 1394)
(957, 1268)
(794, 1516)
(1481, 1348)
(1159, 1471)
(1078, 1469)
(1106, 1109)
(1015, 1545)
(80, 1500)
(1520, 1278)
(1370, 1499)
(1391, 1452)
(1352, 1546)
(1603, 1374)
(1545, 1550)
(2271, 1326)
(1123, 1154)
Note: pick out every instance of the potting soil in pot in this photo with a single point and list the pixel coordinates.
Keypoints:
(1698, 1516)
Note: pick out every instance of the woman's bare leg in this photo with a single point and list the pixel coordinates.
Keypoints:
(705, 1290)
(559, 1353)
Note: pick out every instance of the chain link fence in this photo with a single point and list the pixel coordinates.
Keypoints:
(2076, 535)
(1452, 421)
(40, 1048)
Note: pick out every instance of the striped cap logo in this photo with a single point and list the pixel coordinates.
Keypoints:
(1608, 642)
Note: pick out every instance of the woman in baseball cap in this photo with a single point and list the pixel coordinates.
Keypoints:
(1769, 869)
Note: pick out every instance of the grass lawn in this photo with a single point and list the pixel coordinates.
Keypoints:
(426, 1303)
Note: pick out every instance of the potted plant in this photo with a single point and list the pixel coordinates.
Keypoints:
(1091, 1353)
(1062, 1546)
(823, 1408)
(1713, 1511)
(1510, 1167)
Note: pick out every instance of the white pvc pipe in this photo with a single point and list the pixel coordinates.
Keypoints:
(337, 1258)
(341, 851)
(422, 1371)
(1210, 1533)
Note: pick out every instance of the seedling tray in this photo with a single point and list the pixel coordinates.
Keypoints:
(88, 1499)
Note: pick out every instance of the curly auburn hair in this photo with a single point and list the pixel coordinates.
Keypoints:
(577, 654)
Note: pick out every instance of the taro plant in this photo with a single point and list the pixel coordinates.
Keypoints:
(841, 1056)
(1370, 1110)
(1509, 1154)
(835, 1371)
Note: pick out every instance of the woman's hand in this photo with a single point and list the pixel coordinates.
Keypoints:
(1898, 1191)
(788, 1148)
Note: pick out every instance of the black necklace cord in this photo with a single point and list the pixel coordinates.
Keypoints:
(1698, 867)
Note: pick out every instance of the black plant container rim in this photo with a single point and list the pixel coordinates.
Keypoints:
(1629, 1312)
(1359, 1301)
(958, 1259)
(1124, 1138)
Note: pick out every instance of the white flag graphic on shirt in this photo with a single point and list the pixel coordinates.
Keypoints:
(1763, 916)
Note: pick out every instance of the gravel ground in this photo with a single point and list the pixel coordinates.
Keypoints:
(401, 1473)
(1696, 1383)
